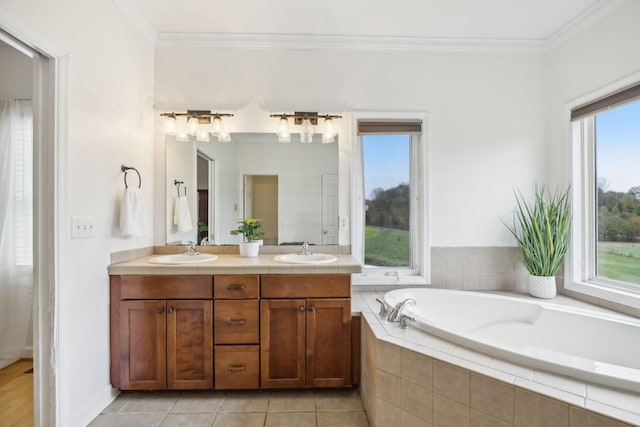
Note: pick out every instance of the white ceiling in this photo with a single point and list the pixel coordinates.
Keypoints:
(500, 20)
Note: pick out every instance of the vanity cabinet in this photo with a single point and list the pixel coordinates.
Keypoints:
(161, 332)
(305, 331)
(236, 331)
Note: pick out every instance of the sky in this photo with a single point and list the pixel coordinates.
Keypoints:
(386, 160)
(618, 147)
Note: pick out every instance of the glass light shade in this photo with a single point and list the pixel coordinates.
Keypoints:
(170, 125)
(182, 136)
(223, 136)
(283, 130)
(216, 125)
(203, 136)
(192, 125)
(284, 138)
(329, 131)
(306, 133)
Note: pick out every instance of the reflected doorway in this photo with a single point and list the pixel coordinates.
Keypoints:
(205, 167)
(260, 200)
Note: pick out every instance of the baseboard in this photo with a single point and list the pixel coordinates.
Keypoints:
(94, 408)
(27, 352)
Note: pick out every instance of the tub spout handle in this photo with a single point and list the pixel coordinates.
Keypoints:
(384, 308)
(396, 311)
(403, 321)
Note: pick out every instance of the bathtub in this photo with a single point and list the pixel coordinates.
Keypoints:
(588, 345)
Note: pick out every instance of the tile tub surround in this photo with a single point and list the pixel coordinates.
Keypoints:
(242, 409)
(459, 387)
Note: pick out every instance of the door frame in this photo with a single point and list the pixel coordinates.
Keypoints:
(50, 213)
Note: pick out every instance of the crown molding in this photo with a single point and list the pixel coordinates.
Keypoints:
(587, 17)
(348, 43)
(138, 20)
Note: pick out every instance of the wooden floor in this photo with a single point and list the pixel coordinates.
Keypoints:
(16, 395)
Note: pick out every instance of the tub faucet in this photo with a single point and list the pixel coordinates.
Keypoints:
(384, 308)
(305, 248)
(396, 311)
(403, 321)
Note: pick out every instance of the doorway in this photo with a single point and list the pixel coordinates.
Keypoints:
(260, 200)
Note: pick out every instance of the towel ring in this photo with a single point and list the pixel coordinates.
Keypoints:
(124, 169)
(178, 184)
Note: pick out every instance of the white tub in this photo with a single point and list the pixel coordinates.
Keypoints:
(589, 345)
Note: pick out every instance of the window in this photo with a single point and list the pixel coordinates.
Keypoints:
(605, 256)
(389, 229)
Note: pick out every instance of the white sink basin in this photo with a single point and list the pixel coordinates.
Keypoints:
(305, 259)
(182, 258)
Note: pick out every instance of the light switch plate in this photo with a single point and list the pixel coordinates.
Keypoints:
(82, 227)
(344, 222)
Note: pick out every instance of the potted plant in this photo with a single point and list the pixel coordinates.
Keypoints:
(542, 232)
(248, 228)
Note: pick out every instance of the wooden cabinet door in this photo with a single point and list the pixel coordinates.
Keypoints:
(328, 343)
(189, 344)
(142, 345)
(282, 343)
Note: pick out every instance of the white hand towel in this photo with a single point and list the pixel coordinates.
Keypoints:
(182, 215)
(132, 213)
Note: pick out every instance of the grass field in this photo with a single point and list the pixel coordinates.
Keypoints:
(386, 247)
(619, 261)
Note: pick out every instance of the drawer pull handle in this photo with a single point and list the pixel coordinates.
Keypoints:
(302, 308)
(311, 308)
(235, 322)
(235, 287)
(159, 310)
(236, 368)
(170, 310)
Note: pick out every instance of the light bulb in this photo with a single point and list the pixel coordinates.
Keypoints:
(170, 125)
(192, 125)
(216, 125)
(306, 134)
(283, 130)
(329, 131)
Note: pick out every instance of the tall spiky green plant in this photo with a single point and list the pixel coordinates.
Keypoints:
(542, 229)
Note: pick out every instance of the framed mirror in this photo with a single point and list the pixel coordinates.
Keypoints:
(293, 187)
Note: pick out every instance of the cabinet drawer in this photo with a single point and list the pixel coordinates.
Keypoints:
(306, 286)
(236, 322)
(165, 287)
(237, 286)
(236, 367)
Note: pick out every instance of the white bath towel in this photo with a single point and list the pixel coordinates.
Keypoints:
(181, 215)
(132, 213)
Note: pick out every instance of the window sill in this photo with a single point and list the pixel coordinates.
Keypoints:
(606, 292)
(366, 279)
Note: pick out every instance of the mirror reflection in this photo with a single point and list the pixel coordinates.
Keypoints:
(293, 187)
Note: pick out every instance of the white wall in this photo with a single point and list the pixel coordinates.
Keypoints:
(15, 74)
(603, 54)
(110, 123)
(486, 127)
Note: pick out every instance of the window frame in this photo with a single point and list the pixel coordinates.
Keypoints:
(580, 266)
(420, 248)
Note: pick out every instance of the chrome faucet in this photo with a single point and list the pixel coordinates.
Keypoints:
(396, 312)
(384, 308)
(305, 248)
(403, 321)
(191, 248)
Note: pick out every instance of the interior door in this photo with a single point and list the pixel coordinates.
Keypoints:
(329, 209)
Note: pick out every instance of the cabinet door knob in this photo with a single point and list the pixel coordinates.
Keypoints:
(235, 287)
(312, 308)
(236, 368)
(235, 322)
(170, 310)
(302, 308)
(159, 310)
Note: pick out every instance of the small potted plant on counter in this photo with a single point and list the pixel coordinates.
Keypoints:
(542, 231)
(248, 228)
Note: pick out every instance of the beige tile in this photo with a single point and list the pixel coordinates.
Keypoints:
(190, 402)
(191, 420)
(387, 415)
(478, 419)
(417, 401)
(346, 400)
(582, 418)
(291, 419)
(389, 358)
(245, 402)
(280, 401)
(451, 381)
(127, 420)
(150, 402)
(534, 410)
(417, 368)
(247, 419)
(493, 397)
(389, 387)
(116, 405)
(449, 413)
(335, 419)
(408, 420)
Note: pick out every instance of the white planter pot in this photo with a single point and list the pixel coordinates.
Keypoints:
(249, 249)
(542, 286)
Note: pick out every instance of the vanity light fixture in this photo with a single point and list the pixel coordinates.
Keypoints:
(307, 121)
(198, 123)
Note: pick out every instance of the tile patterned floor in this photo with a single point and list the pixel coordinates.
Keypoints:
(235, 409)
